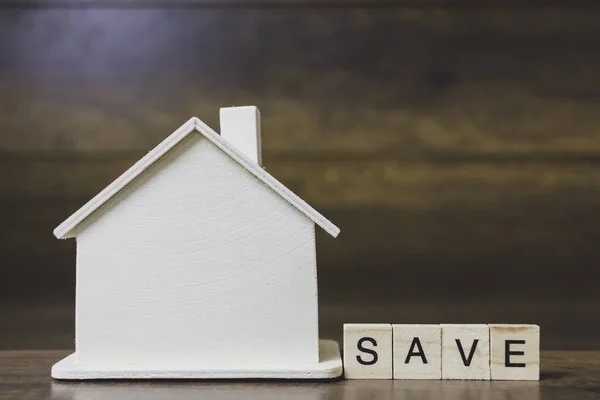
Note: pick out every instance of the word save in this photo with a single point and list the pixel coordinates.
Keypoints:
(445, 351)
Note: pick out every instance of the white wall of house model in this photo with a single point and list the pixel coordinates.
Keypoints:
(197, 263)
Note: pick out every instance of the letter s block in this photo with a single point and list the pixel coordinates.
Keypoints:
(368, 351)
(515, 352)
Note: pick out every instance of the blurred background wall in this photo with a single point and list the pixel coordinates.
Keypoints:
(457, 148)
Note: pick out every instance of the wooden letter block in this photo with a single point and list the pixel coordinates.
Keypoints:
(515, 352)
(368, 351)
(465, 352)
(417, 351)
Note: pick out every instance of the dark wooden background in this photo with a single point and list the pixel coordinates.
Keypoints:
(457, 148)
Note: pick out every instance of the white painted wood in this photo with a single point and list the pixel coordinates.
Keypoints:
(180, 269)
(240, 126)
(515, 352)
(67, 229)
(229, 390)
(188, 262)
(417, 351)
(368, 351)
(470, 363)
(329, 367)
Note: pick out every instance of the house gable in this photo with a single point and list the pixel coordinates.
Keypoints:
(68, 228)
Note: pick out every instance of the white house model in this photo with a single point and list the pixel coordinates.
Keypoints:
(197, 263)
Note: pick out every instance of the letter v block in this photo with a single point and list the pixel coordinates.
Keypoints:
(465, 352)
(515, 352)
(417, 351)
(368, 351)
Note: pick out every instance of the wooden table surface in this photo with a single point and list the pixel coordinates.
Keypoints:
(25, 374)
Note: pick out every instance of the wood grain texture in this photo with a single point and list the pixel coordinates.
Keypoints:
(564, 375)
(519, 360)
(465, 144)
(196, 265)
(368, 351)
(417, 351)
(465, 351)
(497, 80)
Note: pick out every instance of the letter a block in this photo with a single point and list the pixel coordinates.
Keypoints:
(465, 352)
(515, 352)
(368, 351)
(417, 351)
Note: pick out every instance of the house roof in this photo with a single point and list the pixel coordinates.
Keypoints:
(67, 228)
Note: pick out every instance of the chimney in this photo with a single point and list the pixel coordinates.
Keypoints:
(240, 126)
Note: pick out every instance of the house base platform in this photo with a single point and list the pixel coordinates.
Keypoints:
(329, 367)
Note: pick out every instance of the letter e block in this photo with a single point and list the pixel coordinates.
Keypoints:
(465, 352)
(515, 352)
(368, 351)
(417, 351)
